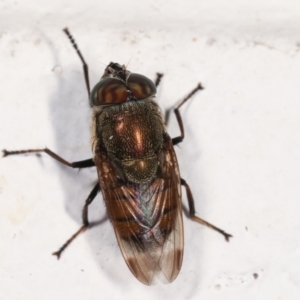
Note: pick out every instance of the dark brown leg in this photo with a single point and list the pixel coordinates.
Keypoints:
(85, 220)
(85, 66)
(158, 78)
(78, 164)
(179, 139)
(192, 212)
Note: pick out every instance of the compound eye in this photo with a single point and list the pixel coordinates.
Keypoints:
(140, 86)
(108, 91)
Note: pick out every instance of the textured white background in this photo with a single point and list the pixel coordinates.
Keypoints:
(240, 155)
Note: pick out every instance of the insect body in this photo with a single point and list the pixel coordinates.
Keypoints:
(138, 172)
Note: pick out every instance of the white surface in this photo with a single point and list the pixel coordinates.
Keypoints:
(240, 155)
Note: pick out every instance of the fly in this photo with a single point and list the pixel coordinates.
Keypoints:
(137, 170)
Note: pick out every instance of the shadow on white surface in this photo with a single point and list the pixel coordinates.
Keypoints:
(240, 156)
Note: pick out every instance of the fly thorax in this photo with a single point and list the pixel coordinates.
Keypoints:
(132, 134)
(140, 171)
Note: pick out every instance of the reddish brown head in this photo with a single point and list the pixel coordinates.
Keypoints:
(118, 85)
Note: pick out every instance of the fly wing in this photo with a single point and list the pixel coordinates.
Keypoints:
(147, 217)
(170, 219)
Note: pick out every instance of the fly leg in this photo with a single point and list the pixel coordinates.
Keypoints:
(190, 198)
(193, 213)
(158, 78)
(85, 220)
(85, 66)
(78, 164)
(180, 138)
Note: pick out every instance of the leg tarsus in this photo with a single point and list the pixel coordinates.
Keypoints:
(78, 164)
(180, 138)
(66, 244)
(85, 220)
(193, 213)
(203, 222)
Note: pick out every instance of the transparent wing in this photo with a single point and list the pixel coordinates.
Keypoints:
(147, 218)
